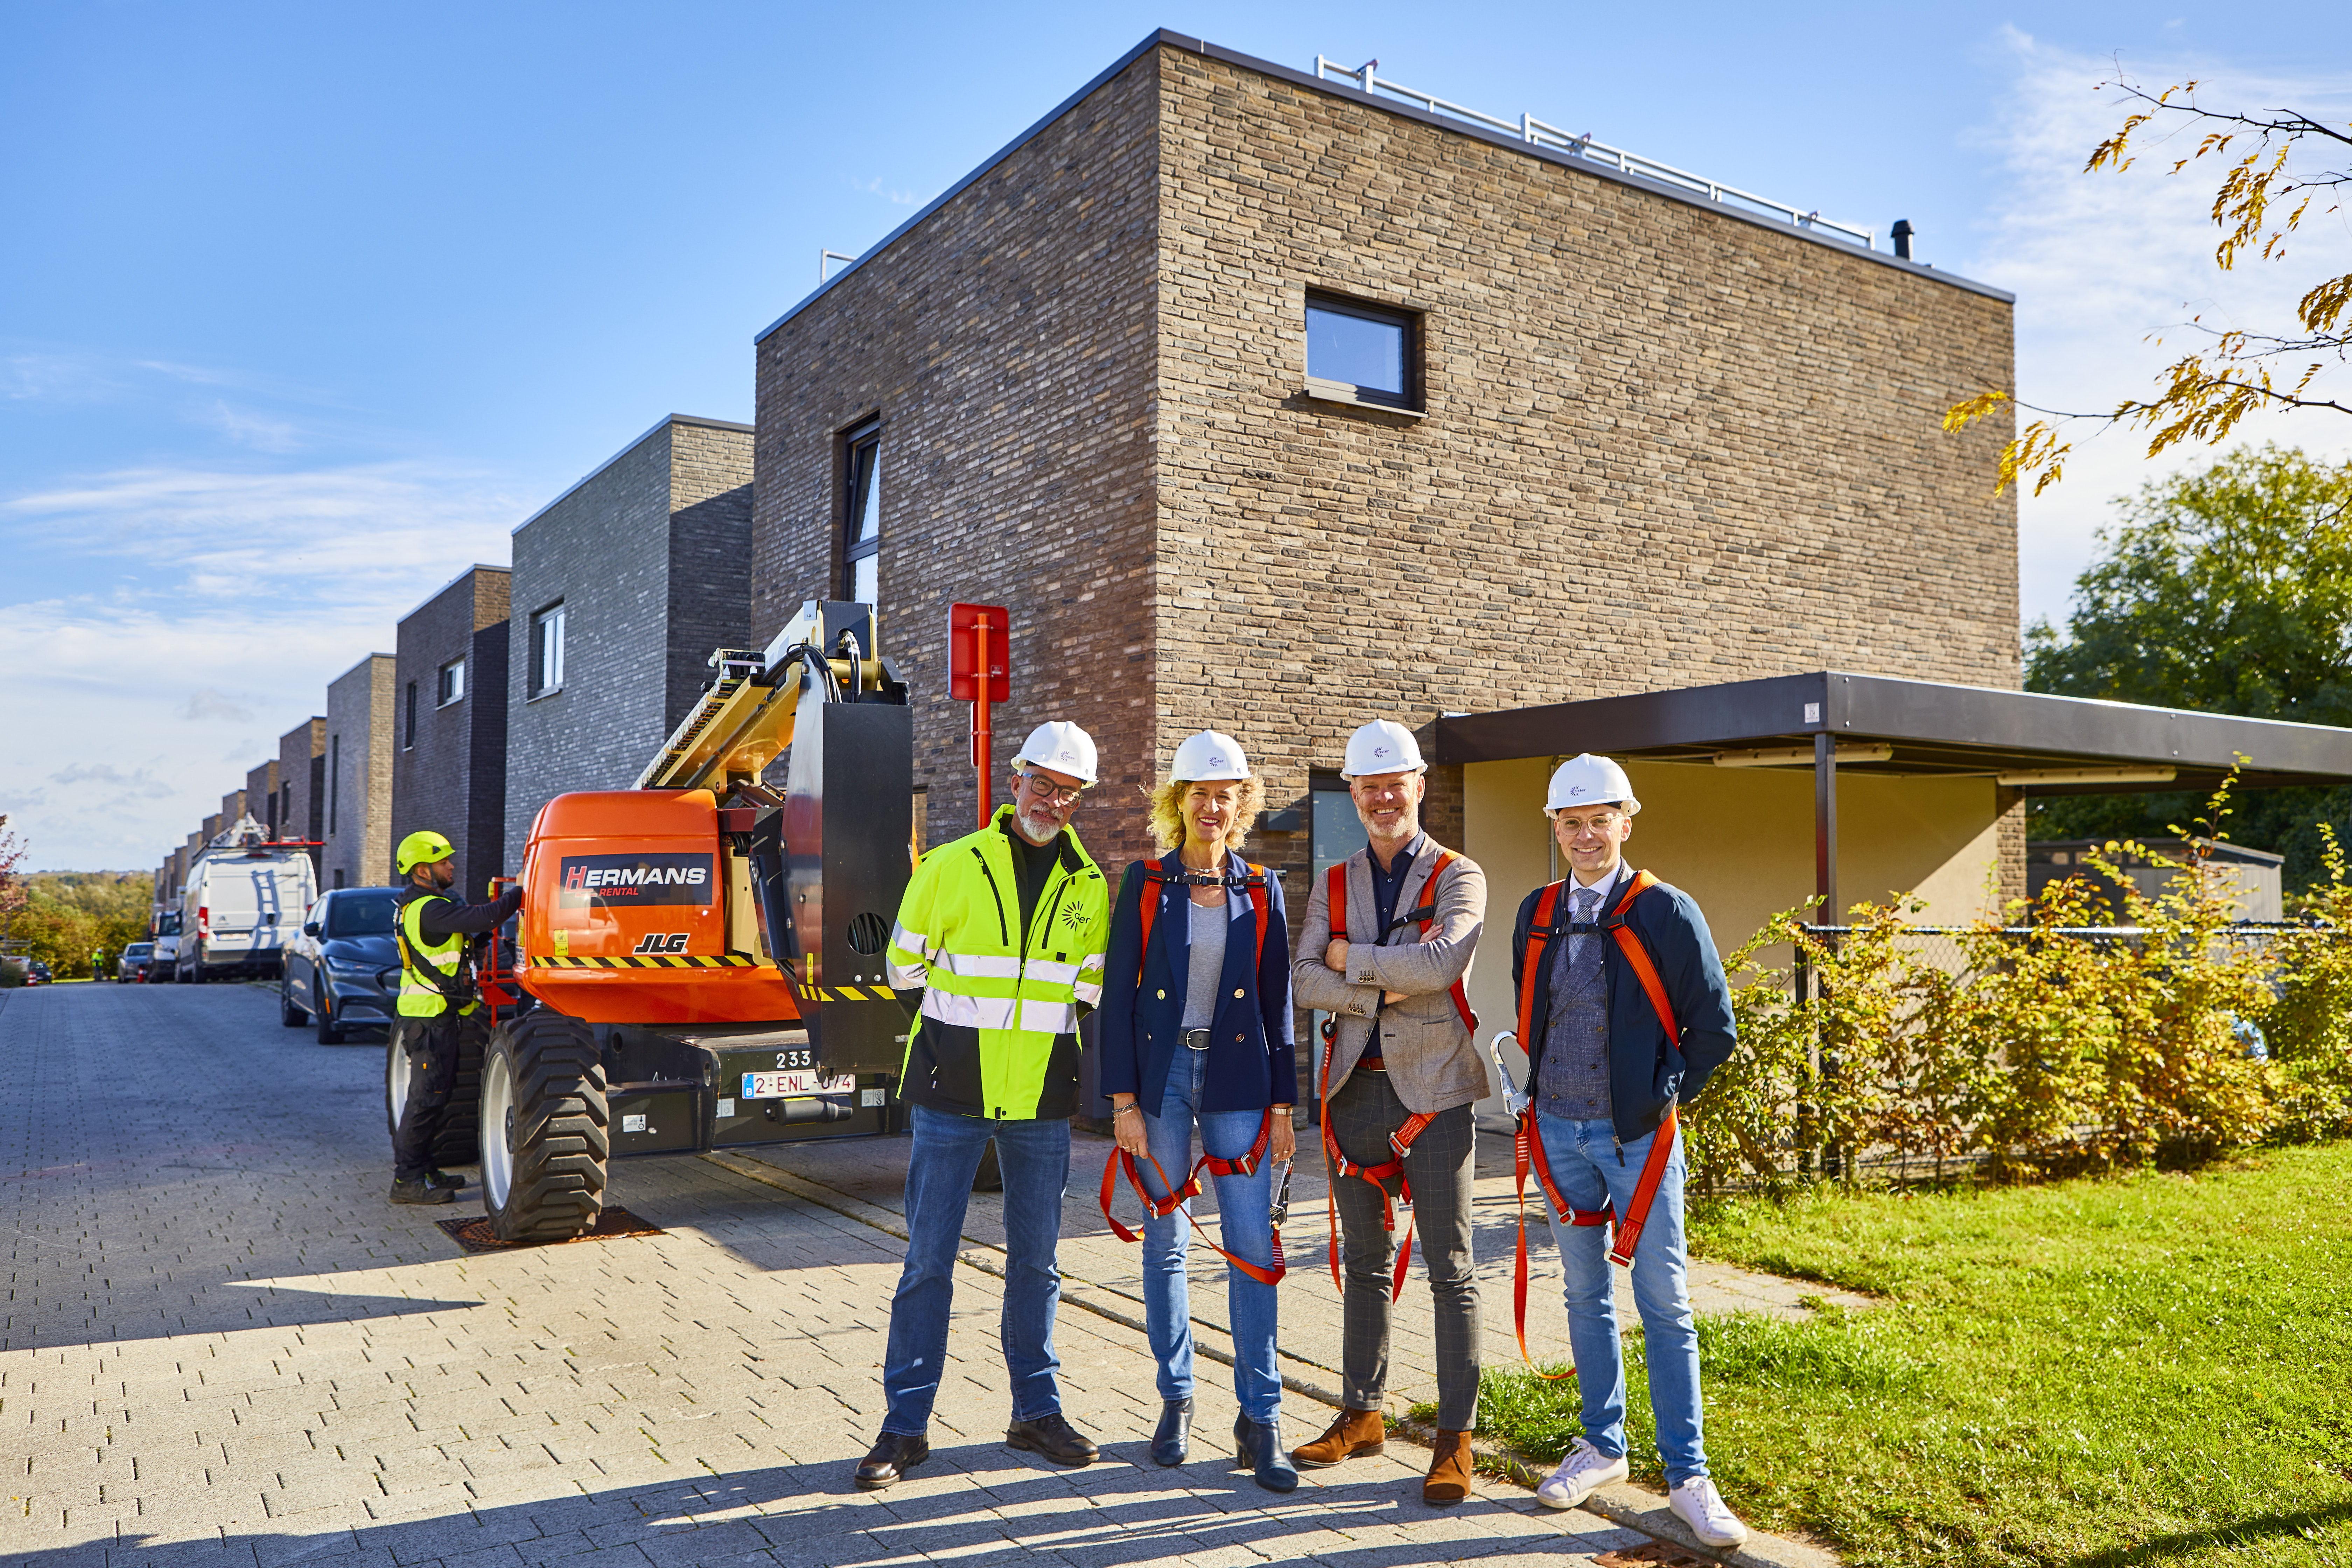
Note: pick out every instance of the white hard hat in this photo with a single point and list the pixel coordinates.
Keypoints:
(1382, 746)
(1209, 755)
(1061, 746)
(1587, 780)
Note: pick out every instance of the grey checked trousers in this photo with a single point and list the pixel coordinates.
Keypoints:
(1364, 1112)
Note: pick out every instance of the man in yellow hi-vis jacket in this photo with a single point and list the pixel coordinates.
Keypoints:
(437, 999)
(1002, 931)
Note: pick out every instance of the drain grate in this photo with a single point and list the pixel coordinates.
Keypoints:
(474, 1235)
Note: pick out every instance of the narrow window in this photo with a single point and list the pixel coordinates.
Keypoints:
(409, 743)
(338, 876)
(451, 685)
(547, 650)
(862, 531)
(1368, 348)
(334, 781)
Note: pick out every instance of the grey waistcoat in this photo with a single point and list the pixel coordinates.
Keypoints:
(1573, 1082)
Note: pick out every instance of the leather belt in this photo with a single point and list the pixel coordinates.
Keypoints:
(1194, 1039)
(1372, 1063)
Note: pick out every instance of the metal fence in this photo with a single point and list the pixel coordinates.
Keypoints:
(1528, 129)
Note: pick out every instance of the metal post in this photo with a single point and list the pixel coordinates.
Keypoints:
(982, 739)
(1825, 828)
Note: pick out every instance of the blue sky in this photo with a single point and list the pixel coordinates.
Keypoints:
(302, 307)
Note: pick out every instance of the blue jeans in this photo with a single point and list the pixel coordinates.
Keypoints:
(1244, 1212)
(1590, 1172)
(1035, 1159)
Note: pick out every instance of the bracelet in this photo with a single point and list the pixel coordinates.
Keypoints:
(1123, 1110)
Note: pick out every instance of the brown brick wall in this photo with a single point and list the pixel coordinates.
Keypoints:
(1716, 446)
(1007, 342)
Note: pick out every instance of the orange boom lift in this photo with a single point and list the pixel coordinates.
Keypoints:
(704, 953)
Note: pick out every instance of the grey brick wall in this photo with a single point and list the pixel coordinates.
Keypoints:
(450, 774)
(302, 785)
(357, 812)
(261, 793)
(649, 556)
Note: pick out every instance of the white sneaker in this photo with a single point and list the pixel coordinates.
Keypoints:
(1698, 1504)
(1583, 1472)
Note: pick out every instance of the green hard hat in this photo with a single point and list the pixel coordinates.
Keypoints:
(421, 849)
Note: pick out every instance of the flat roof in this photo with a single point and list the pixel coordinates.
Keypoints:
(1448, 123)
(1930, 729)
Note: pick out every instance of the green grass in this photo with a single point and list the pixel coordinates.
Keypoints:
(2155, 1369)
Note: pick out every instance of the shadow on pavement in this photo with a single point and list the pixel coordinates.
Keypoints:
(965, 1502)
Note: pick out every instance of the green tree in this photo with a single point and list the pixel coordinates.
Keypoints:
(2224, 591)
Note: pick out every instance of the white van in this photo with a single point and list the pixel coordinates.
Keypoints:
(243, 900)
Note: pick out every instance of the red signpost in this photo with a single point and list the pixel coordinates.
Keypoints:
(977, 642)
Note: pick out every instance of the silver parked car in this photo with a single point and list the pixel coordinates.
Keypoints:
(343, 968)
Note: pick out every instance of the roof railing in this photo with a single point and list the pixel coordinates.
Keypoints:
(1528, 129)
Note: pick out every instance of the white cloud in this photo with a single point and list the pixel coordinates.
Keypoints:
(247, 429)
(2101, 263)
(128, 714)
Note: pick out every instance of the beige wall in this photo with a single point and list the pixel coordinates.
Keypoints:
(1740, 841)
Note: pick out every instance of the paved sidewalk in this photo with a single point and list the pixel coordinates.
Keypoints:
(221, 1347)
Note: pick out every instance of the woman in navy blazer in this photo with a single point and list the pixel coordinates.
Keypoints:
(1206, 1041)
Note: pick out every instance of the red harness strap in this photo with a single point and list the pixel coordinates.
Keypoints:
(1246, 1165)
(1526, 1143)
(1336, 902)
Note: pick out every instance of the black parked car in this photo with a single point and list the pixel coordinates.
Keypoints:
(343, 970)
(37, 973)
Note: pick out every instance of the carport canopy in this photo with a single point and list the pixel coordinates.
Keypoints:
(1834, 723)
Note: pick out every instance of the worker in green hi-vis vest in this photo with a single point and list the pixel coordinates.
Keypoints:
(439, 1002)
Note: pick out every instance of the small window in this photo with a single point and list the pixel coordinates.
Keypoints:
(1368, 348)
(861, 526)
(547, 650)
(338, 876)
(451, 685)
(408, 741)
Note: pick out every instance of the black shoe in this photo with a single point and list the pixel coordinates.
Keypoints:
(419, 1192)
(1054, 1438)
(892, 1455)
(1258, 1446)
(1169, 1444)
(445, 1182)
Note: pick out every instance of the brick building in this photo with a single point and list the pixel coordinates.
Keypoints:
(261, 794)
(1271, 404)
(302, 785)
(622, 586)
(449, 718)
(358, 773)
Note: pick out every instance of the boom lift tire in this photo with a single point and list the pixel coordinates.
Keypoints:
(545, 1129)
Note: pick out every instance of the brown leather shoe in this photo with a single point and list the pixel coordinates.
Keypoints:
(1356, 1432)
(1449, 1469)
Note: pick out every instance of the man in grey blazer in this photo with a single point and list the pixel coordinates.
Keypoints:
(1402, 1069)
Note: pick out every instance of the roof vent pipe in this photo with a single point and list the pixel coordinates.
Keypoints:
(1902, 231)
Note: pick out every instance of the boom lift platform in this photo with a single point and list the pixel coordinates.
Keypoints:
(707, 953)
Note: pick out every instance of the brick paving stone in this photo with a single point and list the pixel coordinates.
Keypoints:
(220, 1347)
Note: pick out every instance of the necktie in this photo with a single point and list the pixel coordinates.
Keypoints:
(1584, 952)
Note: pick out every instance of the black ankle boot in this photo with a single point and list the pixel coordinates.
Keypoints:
(1174, 1438)
(1259, 1447)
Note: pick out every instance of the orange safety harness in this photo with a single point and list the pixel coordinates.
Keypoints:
(1399, 1141)
(1527, 1140)
(1246, 1165)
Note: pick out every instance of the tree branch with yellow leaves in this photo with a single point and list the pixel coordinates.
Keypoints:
(2260, 202)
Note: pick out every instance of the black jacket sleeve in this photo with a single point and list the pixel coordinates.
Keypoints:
(445, 917)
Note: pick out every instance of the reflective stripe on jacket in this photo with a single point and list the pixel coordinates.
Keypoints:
(997, 1036)
(419, 998)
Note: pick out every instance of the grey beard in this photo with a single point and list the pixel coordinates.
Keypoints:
(1020, 826)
